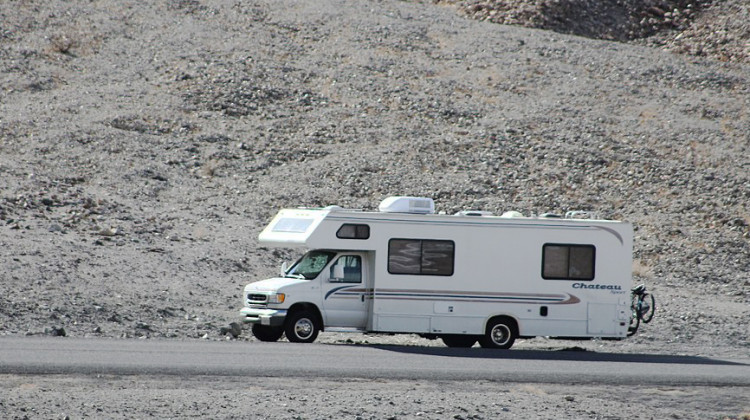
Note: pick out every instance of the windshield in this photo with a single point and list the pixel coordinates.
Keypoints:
(310, 265)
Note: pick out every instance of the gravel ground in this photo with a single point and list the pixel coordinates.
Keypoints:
(144, 146)
(113, 397)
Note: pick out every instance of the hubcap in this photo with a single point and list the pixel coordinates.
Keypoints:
(500, 334)
(303, 328)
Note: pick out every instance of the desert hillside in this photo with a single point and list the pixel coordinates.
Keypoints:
(705, 28)
(144, 145)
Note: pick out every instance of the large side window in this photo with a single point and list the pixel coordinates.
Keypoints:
(568, 262)
(421, 256)
(352, 231)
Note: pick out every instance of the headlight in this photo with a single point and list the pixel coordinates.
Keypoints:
(277, 298)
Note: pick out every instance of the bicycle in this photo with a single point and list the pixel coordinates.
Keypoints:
(643, 306)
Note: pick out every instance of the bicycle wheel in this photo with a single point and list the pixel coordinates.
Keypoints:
(635, 305)
(648, 307)
(635, 322)
(635, 318)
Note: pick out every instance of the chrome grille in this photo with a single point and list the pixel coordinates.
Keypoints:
(257, 298)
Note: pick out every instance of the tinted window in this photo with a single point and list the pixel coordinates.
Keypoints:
(421, 256)
(404, 256)
(568, 262)
(352, 231)
(437, 258)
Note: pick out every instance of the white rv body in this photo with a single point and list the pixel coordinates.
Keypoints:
(450, 275)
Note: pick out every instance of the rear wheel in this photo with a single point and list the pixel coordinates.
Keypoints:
(301, 327)
(635, 322)
(500, 334)
(266, 333)
(458, 340)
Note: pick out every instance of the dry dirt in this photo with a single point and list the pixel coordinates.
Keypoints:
(143, 146)
(115, 397)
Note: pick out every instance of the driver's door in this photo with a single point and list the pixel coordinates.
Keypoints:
(345, 292)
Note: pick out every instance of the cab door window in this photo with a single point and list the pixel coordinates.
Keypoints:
(347, 269)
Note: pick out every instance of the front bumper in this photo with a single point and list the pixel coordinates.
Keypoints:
(263, 316)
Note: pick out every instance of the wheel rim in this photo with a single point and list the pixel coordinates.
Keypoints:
(304, 328)
(500, 334)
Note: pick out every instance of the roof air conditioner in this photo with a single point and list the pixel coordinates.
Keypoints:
(419, 205)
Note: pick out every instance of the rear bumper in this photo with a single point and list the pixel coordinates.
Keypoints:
(263, 316)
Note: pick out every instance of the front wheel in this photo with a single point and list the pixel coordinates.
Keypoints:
(648, 307)
(266, 333)
(301, 327)
(500, 334)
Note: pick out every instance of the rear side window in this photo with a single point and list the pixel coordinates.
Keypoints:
(421, 257)
(568, 262)
(353, 231)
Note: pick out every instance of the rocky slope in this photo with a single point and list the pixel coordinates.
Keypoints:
(144, 146)
(705, 28)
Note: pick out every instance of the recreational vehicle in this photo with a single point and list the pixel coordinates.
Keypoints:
(464, 278)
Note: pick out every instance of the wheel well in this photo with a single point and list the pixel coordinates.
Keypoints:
(307, 306)
(512, 322)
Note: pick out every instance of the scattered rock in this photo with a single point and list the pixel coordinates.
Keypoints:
(143, 326)
(55, 228)
(56, 332)
(235, 329)
(108, 232)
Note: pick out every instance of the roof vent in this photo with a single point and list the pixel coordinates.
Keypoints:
(511, 214)
(473, 213)
(419, 205)
(580, 214)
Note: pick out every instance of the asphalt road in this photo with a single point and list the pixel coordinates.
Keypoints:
(61, 355)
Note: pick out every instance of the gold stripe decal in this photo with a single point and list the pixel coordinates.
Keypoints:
(435, 295)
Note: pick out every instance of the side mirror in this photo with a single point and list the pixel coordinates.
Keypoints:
(284, 268)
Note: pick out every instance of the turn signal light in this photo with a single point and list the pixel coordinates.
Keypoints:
(277, 298)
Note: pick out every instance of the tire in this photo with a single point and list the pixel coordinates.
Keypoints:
(501, 334)
(635, 322)
(301, 327)
(648, 314)
(634, 306)
(266, 333)
(458, 340)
